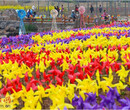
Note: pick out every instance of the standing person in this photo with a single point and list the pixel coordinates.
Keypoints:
(55, 8)
(100, 8)
(105, 15)
(73, 15)
(91, 9)
(29, 13)
(34, 10)
(76, 9)
(62, 10)
(58, 9)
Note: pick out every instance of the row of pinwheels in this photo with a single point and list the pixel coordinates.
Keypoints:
(58, 65)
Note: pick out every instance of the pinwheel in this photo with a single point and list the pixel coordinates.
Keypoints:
(54, 72)
(72, 78)
(82, 56)
(107, 82)
(33, 84)
(119, 86)
(46, 77)
(122, 73)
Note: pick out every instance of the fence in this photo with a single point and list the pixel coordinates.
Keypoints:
(113, 7)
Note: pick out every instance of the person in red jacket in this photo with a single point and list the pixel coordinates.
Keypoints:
(76, 9)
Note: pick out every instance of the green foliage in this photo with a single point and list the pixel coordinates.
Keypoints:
(31, 28)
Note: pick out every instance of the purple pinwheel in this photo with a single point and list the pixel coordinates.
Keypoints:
(107, 102)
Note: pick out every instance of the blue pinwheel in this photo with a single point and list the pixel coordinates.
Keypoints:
(21, 14)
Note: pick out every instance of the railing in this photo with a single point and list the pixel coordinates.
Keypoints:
(64, 20)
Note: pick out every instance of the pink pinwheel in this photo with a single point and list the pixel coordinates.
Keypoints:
(124, 47)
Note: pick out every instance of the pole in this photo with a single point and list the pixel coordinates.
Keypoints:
(38, 5)
(96, 8)
(128, 8)
(125, 8)
(88, 7)
(68, 7)
(107, 6)
(48, 8)
(115, 9)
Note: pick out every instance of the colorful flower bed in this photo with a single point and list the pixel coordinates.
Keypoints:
(80, 68)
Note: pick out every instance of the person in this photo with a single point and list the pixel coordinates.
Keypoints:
(73, 16)
(105, 15)
(76, 9)
(58, 9)
(28, 13)
(77, 21)
(91, 9)
(100, 9)
(34, 10)
(62, 10)
(55, 8)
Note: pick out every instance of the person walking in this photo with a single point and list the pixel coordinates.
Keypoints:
(58, 9)
(29, 13)
(73, 15)
(105, 15)
(100, 8)
(91, 9)
(34, 10)
(62, 10)
(76, 9)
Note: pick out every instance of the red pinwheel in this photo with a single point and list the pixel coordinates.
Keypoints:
(119, 47)
(78, 48)
(52, 63)
(80, 34)
(67, 50)
(46, 77)
(97, 48)
(115, 66)
(89, 46)
(72, 78)
(128, 64)
(67, 60)
(71, 69)
(80, 74)
(33, 84)
(106, 65)
(26, 77)
(124, 47)
(54, 72)
(37, 74)
(113, 48)
(59, 81)
(59, 61)
(96, 65)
